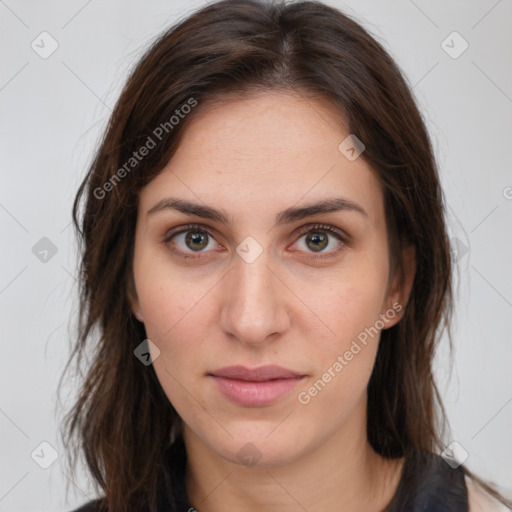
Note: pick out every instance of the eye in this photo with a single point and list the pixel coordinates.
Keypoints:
(190, 239)
(317, 239)
(193, 240)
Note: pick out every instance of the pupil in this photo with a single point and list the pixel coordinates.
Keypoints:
(316, 238)
(195, 238)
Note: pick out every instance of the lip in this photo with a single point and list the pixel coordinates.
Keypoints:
(255, 387)
(259, 374)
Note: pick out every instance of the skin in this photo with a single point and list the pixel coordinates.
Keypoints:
(255, 156)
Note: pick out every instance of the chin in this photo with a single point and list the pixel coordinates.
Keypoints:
(263, 446)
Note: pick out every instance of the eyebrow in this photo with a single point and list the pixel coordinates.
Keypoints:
(285, 217)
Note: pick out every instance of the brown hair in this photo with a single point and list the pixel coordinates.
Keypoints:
(122, 419)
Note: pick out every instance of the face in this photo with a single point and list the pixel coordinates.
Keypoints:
(262, 281)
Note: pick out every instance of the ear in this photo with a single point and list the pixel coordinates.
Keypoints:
(133, 299)
(400, 287)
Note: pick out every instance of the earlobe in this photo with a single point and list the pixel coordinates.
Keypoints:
(409, 259)
(137, 311)
(134, 301)
(401, 288)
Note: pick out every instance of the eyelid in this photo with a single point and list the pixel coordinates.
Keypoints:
(187, 227)
(343, 237)
(326, 227)
(169, 235)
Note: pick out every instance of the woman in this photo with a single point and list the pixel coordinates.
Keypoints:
(266, 261)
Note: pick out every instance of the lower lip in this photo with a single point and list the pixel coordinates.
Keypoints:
(255, 394)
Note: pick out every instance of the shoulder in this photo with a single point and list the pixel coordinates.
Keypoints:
(428, 483)
(481, 501)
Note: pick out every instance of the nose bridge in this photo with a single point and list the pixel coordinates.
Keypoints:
(253, 307)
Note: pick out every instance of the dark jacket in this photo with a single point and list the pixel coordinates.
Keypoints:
(428, 484)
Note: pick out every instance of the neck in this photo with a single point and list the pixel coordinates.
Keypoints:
(341, 473)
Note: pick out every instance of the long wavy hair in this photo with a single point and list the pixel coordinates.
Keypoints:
(122, 421)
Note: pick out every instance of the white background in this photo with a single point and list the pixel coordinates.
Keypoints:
(52, 112)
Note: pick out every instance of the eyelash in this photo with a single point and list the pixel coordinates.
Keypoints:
(316, 227)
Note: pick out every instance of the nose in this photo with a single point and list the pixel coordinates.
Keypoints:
(255, 306)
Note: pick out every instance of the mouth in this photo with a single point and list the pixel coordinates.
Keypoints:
(256, 387)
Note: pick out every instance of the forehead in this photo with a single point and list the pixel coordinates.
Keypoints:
(267, 128)
(262, 149)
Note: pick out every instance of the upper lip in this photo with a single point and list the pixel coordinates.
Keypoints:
(256, 374)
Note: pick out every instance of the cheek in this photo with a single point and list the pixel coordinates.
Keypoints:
(172, 316)
(353, 302)
(344, 360)
(345, 356)
(176, 309)
(351, 351)
(165, 296)
(172, 319)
